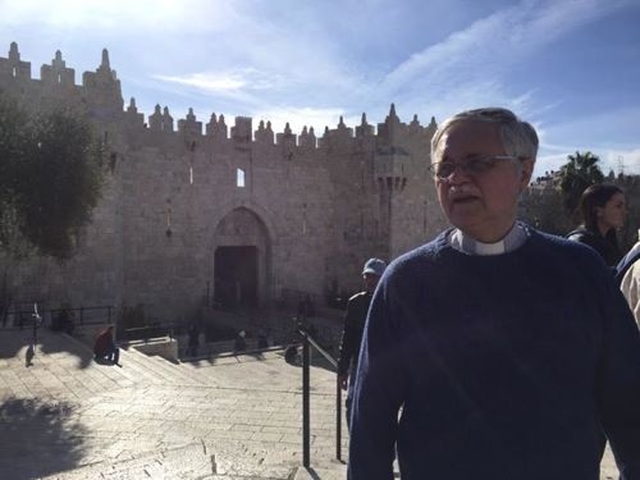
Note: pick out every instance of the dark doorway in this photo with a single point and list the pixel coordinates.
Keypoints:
(236, 276)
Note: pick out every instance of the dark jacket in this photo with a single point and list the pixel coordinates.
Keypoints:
(354, 321)
(608, 250)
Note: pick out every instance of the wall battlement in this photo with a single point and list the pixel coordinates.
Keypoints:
(101, 90)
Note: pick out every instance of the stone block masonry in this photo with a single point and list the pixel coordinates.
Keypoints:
(212, 215)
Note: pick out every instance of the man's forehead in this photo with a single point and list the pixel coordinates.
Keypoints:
(472, 136)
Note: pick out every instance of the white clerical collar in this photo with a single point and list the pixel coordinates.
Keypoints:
(511, 241)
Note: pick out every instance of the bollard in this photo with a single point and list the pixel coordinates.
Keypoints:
(338, 419)
(306, 433)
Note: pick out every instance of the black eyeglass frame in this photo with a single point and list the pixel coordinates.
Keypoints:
(475, 165)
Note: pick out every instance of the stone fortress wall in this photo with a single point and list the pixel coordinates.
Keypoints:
(197, 214)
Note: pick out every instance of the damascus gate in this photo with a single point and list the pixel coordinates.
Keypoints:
(197, 214)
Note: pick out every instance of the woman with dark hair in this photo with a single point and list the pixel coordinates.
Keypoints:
(604, 209)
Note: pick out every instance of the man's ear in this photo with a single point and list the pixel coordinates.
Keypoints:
(526, 171)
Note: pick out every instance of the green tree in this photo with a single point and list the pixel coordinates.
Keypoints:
(544, 210)
(50, 179)
(576, 175)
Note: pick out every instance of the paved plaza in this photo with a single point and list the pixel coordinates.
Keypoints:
(67, 418)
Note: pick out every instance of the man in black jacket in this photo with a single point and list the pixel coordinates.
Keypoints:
(354, 321)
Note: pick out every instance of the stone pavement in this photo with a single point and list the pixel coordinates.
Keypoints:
(66, 417)
(232, 418)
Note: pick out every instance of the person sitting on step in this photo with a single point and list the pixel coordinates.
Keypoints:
(105, 348)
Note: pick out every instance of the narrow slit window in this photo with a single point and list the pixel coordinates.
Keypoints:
(14, 72)
(240, 178)
(190, 175)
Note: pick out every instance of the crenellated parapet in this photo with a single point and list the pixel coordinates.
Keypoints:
(57, 74)
(287, 138)
(217, 128)
(307, 138)
(103, 89)
(241, 132)
(14, 69)
(132, 117)
(264, 135)
(190, 126)
(101, 92)
(364, 129)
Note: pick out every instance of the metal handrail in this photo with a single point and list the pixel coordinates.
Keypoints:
(307, 341)
(83, 310)
(23, 315)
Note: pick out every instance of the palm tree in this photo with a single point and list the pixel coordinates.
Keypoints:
(576, 175)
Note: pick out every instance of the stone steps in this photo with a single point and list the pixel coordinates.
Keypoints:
(150, 419)
(196, 460)
(172, 373)
(185, 462)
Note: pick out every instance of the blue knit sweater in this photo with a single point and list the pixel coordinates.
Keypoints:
(505, 367)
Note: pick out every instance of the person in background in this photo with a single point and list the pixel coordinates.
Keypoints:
(628, 260)
(357, 309)
(604, 210)
(240, 342)
(495, 351)
(630, 286)
(105, 347)
(193, 334)
(628, 276)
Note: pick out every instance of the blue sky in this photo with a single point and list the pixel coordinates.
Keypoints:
(571, 67)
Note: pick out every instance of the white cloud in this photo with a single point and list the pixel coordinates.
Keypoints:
(225, 81)
(121, 15)
(318, 118)
(489, 47)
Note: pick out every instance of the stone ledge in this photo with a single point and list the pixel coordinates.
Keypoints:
(164, 347)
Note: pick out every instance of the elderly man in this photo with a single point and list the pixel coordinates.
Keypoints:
(506, 350)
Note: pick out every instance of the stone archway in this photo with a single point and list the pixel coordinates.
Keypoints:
(241, 260)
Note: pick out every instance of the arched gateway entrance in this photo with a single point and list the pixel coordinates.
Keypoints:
(241, 260)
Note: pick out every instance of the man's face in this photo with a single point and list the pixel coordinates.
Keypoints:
(370, 281)
(482, 205)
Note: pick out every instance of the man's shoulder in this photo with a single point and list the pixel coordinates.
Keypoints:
(423, 252)
(555, 242)
(409, 267)
(564, 252)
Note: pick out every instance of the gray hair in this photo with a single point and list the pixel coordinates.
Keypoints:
(518, 137)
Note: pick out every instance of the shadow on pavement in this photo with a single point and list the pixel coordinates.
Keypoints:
(12, 341)
(39, 438)
(62, 343)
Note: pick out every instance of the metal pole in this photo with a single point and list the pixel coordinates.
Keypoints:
(338, 419)
(306, 433)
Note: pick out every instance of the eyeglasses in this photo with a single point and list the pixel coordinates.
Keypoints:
(476, 165)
